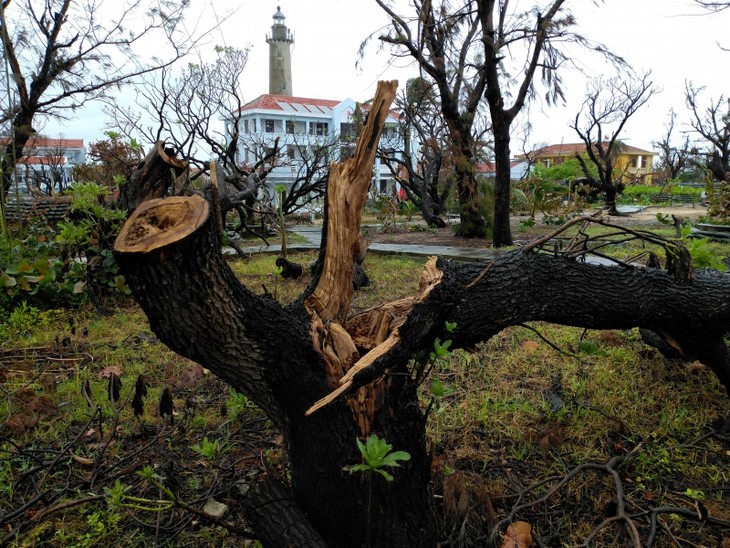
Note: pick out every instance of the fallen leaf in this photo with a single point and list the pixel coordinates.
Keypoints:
(108, 371)
(100, 444)
(518, 535)
(610, 337)
(83, 460)
(550, 437)
(191, 377)
(530, 346)
(696, 367)
(20, 423)
(467, 500)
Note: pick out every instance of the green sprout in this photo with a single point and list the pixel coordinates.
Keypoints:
(376, 455)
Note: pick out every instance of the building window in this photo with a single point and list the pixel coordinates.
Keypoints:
(291, 151)
(347, 131)
(290, 127)
(253, 125)
(269, 126)
(390, 131)
(245, 126)
(318, 128)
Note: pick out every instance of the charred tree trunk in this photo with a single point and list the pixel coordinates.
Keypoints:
(472, 223)
(22, 131)
(285, 359)
(326, 377)
(501, 232)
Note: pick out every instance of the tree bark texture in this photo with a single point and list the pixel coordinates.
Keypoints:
(151, 178)
(501, 231)
(22, 131)
(327, 377)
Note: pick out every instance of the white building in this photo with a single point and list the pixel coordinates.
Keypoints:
(301, 124)
(47, 162)
(517, 170)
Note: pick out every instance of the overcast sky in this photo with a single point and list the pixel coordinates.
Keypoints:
(673, 38)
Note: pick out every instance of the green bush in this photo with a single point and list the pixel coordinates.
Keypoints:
(45, 268)
(32, 271)
(645, 194)
(89, 236)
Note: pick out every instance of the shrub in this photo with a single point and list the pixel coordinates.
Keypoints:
(46, 268)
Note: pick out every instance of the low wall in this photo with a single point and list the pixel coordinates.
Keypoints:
(52, 209)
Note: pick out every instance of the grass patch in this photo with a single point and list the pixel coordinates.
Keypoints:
(519, 412)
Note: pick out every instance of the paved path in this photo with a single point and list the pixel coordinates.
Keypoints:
(475, 254)
(313, 236)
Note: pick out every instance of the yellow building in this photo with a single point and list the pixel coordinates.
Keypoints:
(632, 165)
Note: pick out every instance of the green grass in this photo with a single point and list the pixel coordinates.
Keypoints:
(515, 411)
(522, 412)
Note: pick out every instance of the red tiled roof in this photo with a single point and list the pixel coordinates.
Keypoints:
(271, 102)
(491, 167)
(367, 105)
(43, 160)
(47, 142)
(570, 149)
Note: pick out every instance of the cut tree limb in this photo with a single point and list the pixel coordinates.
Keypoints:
(151, 178)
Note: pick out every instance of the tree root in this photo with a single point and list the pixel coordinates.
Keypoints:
(276, 518)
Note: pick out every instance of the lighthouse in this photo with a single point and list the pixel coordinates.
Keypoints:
(280, 41)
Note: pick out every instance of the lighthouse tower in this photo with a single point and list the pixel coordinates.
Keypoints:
(280, 41)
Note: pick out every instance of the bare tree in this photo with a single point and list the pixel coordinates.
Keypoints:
(54, 158)
(423, 173)
(186, 106)
(608, 105)
(485, 49)
(60, 55)
(673, 159)
(535, 34)
(712, 124)
(445, 42)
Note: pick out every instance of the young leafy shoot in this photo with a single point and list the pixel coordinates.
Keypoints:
(376, 455)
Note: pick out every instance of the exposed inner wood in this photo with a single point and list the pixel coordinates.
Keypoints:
(378, 330)
(159, 222)
(347, 190)
(329, 302)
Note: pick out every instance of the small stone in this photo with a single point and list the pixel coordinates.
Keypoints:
(215, 509)
(242, 487)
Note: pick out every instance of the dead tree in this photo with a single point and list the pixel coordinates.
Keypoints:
(608, 106)
(327, 377)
